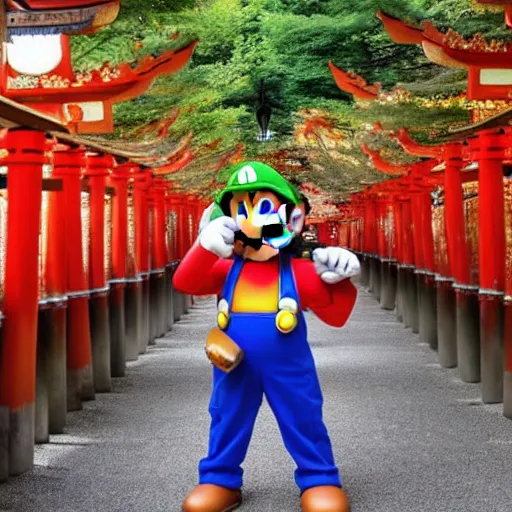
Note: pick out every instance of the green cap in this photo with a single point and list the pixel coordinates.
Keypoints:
(251, 176)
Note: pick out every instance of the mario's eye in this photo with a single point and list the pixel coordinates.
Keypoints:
(242, 210)
(265, 206)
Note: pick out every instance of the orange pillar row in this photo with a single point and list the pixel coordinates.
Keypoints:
(69, 165)
(18, 357)
(98, 169)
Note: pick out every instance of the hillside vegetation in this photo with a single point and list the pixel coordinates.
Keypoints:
(285, 45)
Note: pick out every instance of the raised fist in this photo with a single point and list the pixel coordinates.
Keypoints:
(334, 264)
(219, 236)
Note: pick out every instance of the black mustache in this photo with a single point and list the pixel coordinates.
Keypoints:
(270, 231)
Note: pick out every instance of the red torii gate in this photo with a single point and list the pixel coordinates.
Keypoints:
(485, 62)
(78, 257)
(458, 296)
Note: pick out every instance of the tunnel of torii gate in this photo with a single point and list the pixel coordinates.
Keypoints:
(435, 239)
(90, 231)
(91, 236)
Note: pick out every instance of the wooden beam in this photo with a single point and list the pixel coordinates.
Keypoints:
(15, 115)
(109, 191)
(49, 184)
(53, 184)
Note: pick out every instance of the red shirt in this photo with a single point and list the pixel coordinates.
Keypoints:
(203, 273)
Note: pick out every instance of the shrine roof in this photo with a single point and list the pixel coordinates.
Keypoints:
(400, 31)
(116, 83)
(60, 16)
(354, 84)
(382, 165)
(449, 49)
(414, 148)
(156, 154)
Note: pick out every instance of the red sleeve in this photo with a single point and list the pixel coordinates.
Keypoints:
(201, 272)
(331, 303)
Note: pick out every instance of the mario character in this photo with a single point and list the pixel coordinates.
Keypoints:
(260, 345)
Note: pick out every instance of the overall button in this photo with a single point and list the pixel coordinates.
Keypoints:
(223, 314)
(222, 320)
(286, 321)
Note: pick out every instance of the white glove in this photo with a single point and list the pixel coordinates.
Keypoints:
(219, 236)
(205, 218)
(333, 264)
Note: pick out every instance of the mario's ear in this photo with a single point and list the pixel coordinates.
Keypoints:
(297, 219)
(289, 209)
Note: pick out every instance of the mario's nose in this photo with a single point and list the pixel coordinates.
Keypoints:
(249, 229)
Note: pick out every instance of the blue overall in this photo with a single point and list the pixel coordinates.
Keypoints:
(282, 367)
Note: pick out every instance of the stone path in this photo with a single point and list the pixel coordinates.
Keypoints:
(408, 436)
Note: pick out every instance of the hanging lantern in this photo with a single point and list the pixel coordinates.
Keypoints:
(263, 115)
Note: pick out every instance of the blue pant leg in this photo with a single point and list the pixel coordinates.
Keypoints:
(294, 395)
(234, 405)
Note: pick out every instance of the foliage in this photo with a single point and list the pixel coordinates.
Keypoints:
(284, 45)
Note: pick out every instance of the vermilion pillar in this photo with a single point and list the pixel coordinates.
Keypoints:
(388, 265)
(182, 227)
(158, 258)
(119, 180)
(488, 149)
(69, 165)
(174, 204)
(98, 169)
(410, 302)
(133, 282)
(467, 328)
(51, 408)
(18, 362)
(358, 229)
(183, 237)
(143, 180)
(370, 232)
(400, 279)
(446, 299)
(427, 301)
(193, 227)
(170, 260)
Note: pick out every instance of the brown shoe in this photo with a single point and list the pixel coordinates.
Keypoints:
(212, 498)
(324, 498)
